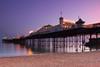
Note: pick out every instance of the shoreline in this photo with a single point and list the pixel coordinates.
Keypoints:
(86, 59)
(70, 53)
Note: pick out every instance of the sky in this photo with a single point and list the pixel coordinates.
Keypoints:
(18, 17)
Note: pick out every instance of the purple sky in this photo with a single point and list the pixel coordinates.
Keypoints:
(17, 17)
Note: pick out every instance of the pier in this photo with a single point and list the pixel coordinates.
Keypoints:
(63, 41)
(65, 37)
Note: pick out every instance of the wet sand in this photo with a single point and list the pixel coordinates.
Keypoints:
(89, 59)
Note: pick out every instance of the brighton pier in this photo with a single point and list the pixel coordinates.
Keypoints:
(64, 37)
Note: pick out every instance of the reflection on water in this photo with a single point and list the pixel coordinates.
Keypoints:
(40, 46)
(10, 49)
(7, 50)
(30, 52)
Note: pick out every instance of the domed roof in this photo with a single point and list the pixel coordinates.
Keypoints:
(80, 21)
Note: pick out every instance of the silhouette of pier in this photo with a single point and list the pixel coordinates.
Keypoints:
(64, 40)
(65, 37)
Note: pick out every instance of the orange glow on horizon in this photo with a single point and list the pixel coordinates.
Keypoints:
(71, 21)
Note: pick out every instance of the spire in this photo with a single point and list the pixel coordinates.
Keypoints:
(61, 13)
(60, 18)
(78, 17)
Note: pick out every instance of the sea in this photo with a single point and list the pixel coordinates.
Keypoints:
(10, 50)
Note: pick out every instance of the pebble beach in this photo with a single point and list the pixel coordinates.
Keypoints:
(86, 59)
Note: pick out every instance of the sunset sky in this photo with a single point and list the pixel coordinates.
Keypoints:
(18, 17)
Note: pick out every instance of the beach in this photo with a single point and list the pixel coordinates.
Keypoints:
(87, 59)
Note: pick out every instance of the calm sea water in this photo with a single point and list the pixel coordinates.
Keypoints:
(7, 50)
(10, 49)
